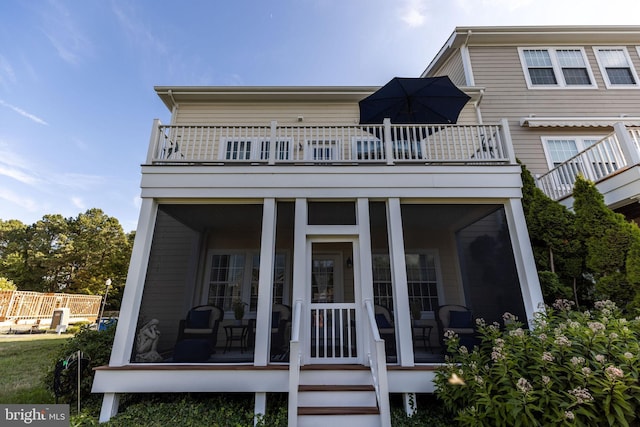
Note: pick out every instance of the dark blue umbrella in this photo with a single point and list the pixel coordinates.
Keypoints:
(419, 100)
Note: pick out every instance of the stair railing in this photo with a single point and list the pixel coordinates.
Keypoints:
(378, 364)
(295, 358)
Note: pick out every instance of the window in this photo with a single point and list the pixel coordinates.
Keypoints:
(616, 67)
(369, 149)
(254, 149)
(559, 150)
(322, 150)
(230, 280)
(556, 68)
(422, 280)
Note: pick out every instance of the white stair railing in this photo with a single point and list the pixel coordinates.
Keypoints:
(378, 364)
(295, 358)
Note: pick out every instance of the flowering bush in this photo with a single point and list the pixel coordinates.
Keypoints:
(571, 368)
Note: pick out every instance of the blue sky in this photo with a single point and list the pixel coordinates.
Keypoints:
(77, 77)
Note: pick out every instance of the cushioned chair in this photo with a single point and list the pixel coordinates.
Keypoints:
(387, 331)
(458, 319)
(280, 327)
(202, 323)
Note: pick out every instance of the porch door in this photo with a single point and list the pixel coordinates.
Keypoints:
(332, 308)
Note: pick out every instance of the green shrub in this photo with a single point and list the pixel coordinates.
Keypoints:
(94, 345)
(572, 368)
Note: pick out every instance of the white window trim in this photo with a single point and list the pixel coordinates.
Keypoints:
(380, 154)
(579, 139)
(557, 70)
(603, 71)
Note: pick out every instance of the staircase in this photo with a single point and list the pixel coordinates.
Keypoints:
(336, 396)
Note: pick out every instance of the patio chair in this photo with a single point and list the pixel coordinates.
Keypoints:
(458, 319)
(386, 328)
(202, 323)
(280, 327)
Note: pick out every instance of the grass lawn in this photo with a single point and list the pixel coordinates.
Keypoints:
(24, 360)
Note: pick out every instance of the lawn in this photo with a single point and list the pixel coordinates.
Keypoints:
(24, 361)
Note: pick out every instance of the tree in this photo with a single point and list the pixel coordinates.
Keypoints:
(6, 284)
(611, 244)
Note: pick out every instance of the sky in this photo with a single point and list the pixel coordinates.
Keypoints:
(77, 77)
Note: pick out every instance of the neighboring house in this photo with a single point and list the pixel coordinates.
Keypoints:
(571, 96)
(330, 235)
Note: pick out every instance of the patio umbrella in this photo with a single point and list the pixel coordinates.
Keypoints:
(420, 100)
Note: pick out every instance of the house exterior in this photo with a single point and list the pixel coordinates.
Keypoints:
(340, 241)
(571, 96)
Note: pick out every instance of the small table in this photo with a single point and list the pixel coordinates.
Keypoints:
(425, 336)
(236, 333)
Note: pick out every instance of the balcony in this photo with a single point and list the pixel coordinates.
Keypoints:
(334, 145)
(610, 157)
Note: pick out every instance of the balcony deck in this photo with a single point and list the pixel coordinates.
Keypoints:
(322, 145)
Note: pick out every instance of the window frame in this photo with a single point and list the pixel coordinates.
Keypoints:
(557, 69)
(334, 145)
(603, 69)
(256, 151)
(578, 139)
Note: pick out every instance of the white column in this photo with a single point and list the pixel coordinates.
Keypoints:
(109, 408)
(401, 306)
(388, 143)
(508, 142)
(523, 255)
(272, 143)
(132, 297)
(259, 406)
(627, 145)
(154, 146)
(410, 403)
(300, 267)
(364, 241)
(265, 283)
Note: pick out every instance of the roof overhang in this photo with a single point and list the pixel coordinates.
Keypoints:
(172, 96)
(534, 122)
(533, 36)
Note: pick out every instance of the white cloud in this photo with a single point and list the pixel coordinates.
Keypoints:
(78, 203)
(24, 202)
(24, 113)
(7, 75)
(65, 36)
(138, 33)
(413, 13)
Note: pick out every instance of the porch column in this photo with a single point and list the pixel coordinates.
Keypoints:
(402, 311)
(523, 255)
(132, 297)
(300, 262)
(265, 283)
(627, 145)
(365, 267)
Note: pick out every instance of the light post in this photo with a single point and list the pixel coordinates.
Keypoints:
(104, 300)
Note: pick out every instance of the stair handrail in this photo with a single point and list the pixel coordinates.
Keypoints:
(295, 359)
(377, 358)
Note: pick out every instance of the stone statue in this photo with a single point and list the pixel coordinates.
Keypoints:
(147, 343)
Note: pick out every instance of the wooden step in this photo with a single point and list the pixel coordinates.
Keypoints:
(335, 387)
(338, 410)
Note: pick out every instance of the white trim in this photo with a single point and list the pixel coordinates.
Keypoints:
(255, 151)
(557, 69)
(334, 145)
(605, 75)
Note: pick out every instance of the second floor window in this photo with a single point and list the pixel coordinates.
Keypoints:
(555, 67)
(616, 67)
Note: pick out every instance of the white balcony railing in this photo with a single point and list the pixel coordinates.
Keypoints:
(608, 156)
(484, 144)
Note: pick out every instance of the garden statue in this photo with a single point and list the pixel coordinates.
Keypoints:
(147, 343)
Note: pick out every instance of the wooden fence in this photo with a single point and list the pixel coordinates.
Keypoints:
(24, 307)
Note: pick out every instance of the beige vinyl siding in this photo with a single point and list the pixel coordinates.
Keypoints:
(499, 70)
(454, 69)
(170, 267)
(263, 113)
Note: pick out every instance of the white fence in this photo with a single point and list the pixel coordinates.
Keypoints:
(24, 307)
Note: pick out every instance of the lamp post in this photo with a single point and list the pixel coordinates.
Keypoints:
(104, 300)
